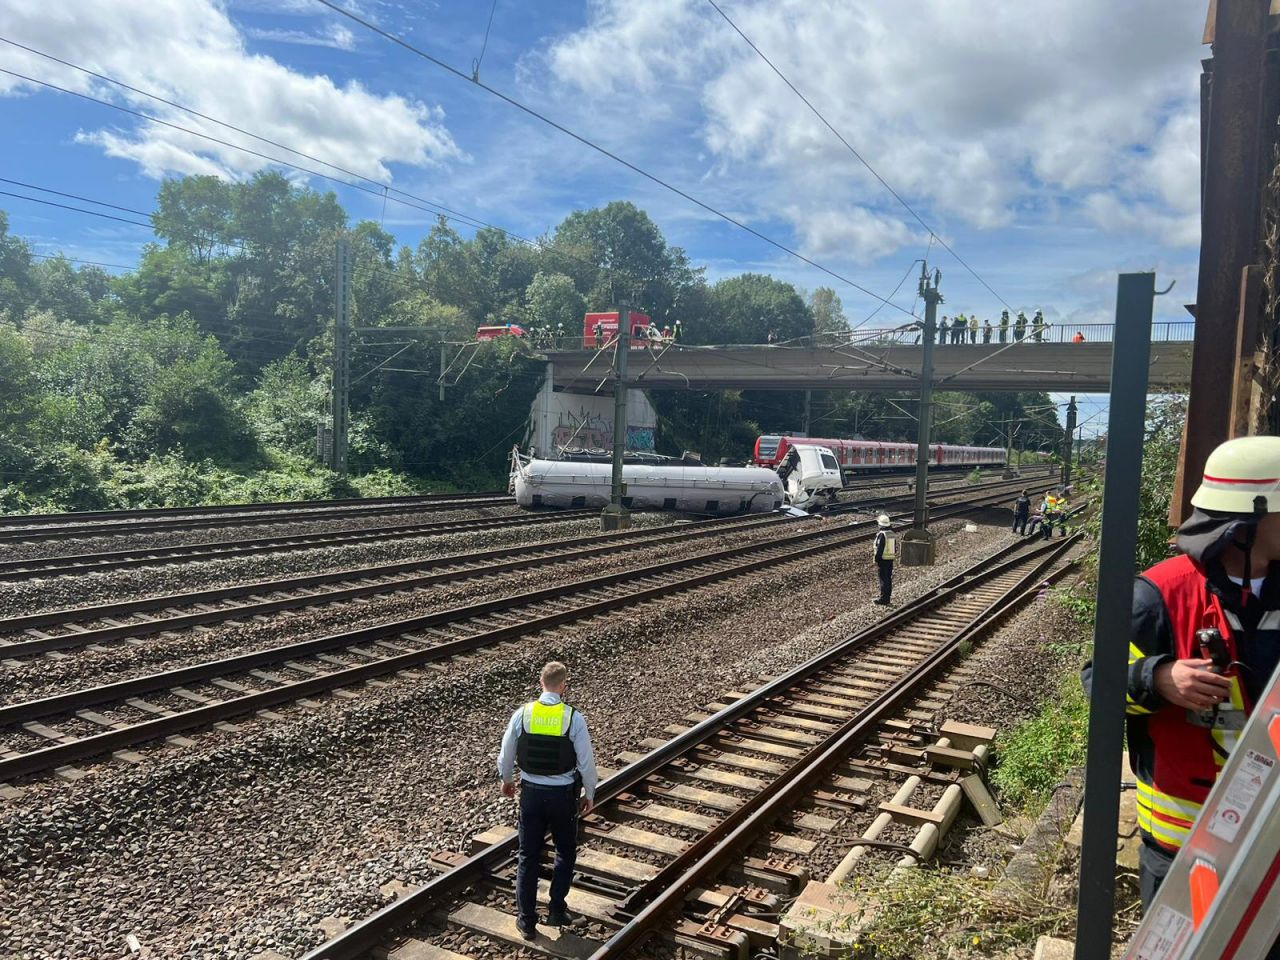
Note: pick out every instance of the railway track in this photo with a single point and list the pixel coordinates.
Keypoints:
(109, 561)
(699, 840)
(78, 564)
(48, 528)
(130, 619)
(86, 626)
(270, 506)
(54, 731)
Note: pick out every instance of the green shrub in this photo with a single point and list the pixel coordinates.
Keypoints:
(1036, 755)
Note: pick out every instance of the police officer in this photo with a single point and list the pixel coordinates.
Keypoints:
(886, 553)
(1004, 325)
(548, 740)
(1204, 642)
(1021, 511)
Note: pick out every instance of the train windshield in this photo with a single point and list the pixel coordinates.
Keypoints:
(829, 462)
(768, 447)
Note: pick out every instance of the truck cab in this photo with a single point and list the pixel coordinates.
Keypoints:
(811, 476)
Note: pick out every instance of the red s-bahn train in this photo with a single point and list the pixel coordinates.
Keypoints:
(875, 456)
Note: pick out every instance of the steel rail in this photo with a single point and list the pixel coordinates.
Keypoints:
(510, 558)
(220, 550)
(266, 506)
(118, 528)
(526, 557)
(93, 745)
(373, 932)
(667, 889)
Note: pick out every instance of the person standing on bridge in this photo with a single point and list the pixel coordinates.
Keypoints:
(987, 330)
(548, 740)
(1204, 642)
(1038, 327)
(958, 329)
(1020, 327)
(1004, 326)
(973, 328)
(886, 553)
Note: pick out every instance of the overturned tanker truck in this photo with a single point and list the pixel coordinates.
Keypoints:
(654, 483)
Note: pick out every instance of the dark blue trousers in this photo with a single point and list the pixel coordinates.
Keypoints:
(543, 810)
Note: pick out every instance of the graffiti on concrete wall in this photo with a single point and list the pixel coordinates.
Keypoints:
(581, 427)
(639, 438)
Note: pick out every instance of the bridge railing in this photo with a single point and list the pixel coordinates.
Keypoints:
(1165, 331)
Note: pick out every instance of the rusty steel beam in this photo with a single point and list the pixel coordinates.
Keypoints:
(1244, 403)
(1229, 228)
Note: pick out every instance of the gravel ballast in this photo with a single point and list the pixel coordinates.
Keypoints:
(245, 841)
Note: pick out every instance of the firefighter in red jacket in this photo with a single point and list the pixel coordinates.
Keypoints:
(1204, 643)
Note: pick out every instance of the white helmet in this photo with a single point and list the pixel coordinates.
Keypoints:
(884, 520)
(1239, 472)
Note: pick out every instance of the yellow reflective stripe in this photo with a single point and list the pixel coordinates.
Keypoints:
(547, 719)
(1132, 708)
(1135, 652)
(1162, 803)
(1167, 832)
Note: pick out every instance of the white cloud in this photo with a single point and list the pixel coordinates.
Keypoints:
(983, 117)
(334, 35)
(191, 52)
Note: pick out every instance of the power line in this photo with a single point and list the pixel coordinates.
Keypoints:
(848, 146)
(380, 192)
(63, 206)
(475, 64)
(401, 42)
(385, 191)
(92, 263)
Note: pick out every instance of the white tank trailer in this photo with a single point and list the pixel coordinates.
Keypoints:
(720, 490)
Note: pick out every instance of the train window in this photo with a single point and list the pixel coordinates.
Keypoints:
(713, 506)
(829, 462)
(769, 447)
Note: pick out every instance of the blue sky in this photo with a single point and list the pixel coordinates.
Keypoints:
(1050, 147)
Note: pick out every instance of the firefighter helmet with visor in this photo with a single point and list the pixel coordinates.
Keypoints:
(1242, 476)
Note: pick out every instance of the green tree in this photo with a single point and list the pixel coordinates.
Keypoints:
(554, 301)
(17, 286)
(828, 312)
(747, 308)
(616, 252)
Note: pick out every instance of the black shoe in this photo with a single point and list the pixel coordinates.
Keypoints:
(560, 918)
(527, 930)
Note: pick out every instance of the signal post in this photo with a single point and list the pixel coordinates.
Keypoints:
(919, 548)
(615, 515)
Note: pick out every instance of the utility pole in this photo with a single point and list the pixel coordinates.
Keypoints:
(1068, 437)
(918, 545)
(808, 398)
(616, 516)
(341, 398)
(442, 368)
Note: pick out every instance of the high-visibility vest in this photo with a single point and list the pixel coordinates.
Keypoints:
(1189, 747)
(544, 746)
(890, 551)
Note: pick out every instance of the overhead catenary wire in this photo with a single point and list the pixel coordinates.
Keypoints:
(376, 188)
(603, 151)
(848, 146)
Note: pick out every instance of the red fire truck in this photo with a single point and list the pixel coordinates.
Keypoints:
(599, 329)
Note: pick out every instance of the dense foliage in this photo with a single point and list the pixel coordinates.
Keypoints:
(203, 374)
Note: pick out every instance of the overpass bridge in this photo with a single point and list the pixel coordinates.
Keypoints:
(880, 360)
